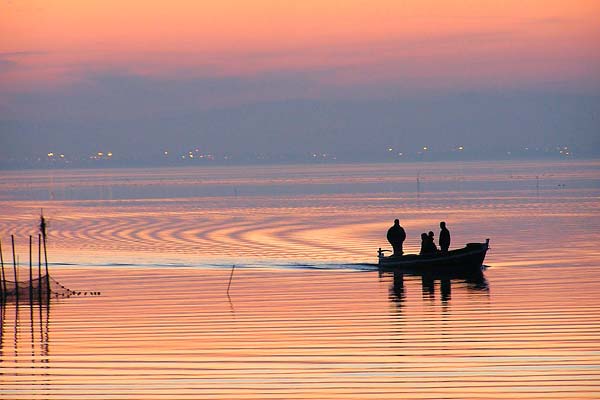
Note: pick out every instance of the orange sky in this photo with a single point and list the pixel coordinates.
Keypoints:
(56, 42)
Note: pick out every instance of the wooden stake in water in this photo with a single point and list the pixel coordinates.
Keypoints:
(3, 275)
(43, 228)
(46, 262)
(12, 239)
(30, 272)
(230, 278)
(43, 224)
(40, 267)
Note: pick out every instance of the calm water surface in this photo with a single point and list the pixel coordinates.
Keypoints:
(308, 315)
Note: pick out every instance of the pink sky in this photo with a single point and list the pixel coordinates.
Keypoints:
(420, 43)
(293, 77)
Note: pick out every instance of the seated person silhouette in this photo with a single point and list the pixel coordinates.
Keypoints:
(427, 245)
(396, 236)
(432, 245)
(424, 243)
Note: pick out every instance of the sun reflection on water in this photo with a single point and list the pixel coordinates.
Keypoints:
(308, 315)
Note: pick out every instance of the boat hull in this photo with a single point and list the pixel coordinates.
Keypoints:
(469, 258)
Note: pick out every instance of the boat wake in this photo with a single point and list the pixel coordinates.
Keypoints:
(334, 266)
(255, 265)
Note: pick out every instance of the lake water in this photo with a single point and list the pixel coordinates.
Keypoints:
(308, 315)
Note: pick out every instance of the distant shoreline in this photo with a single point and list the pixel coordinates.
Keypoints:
(133, 164)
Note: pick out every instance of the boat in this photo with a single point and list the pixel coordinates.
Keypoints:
(466, 259)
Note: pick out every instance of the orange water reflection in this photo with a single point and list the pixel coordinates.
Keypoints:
(305, 213)
(306, 317)
(165, 333)
(200, 229)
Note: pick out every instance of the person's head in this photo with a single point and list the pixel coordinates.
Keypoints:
(430, 234)
(396, 222)
(423, 236)
(442, 225)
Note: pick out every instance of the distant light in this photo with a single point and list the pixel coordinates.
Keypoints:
(191, 155)
(400, 154)
(50, 154)
(109, 154)
(166, 153)
(390, 149)
(100, 154)
(461, 148)
(425, 148)
(62, 156)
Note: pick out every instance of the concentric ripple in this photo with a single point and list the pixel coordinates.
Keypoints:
(307, 316)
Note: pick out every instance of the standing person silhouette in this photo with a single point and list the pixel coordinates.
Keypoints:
(444, 237)
(396, 236)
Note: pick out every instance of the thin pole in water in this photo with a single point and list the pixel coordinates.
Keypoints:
(12, 239)
(30, 272)
(43, 227)
(46, 261)
(3, 276)
(40, 267)
(230, 278)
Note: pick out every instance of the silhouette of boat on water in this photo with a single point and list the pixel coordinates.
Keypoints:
(469, 258)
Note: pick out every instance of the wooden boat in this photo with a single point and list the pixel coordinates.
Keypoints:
(469, 258)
